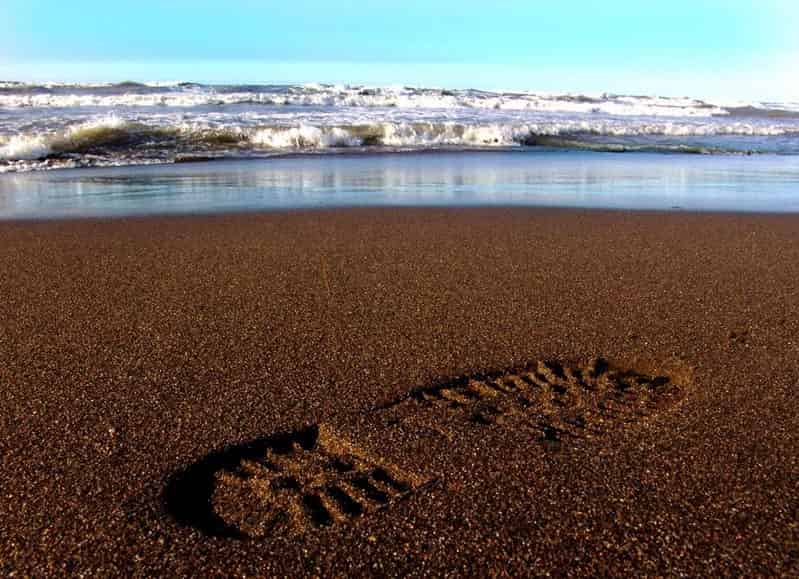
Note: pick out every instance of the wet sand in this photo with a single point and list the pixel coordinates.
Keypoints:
(176, 393)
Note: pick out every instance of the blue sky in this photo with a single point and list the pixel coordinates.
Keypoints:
(732, 48)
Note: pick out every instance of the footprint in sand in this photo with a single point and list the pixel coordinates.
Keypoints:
(312, 478)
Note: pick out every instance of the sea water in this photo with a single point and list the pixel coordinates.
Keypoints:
(183, 147)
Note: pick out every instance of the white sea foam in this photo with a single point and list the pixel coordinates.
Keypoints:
(304, 137)
(27, 147)
(347, 96)
(24, 148)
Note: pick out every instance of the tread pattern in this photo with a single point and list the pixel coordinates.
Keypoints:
(300, 480)
(557, 400)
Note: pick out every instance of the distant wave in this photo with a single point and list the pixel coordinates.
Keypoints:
(187, 94)
(131, 94)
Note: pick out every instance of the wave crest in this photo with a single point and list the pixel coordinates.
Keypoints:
(113, 138)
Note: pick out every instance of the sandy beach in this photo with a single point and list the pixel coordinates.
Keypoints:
(401, 392)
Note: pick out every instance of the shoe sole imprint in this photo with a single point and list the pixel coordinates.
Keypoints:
(556, 400)
(285, 485)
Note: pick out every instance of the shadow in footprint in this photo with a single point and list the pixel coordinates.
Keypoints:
(188, 496)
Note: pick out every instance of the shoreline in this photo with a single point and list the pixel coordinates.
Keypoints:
(210, 216)
(136, 347)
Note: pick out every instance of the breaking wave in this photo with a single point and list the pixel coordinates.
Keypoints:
(112, 133)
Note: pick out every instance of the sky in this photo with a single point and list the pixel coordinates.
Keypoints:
(715, 48)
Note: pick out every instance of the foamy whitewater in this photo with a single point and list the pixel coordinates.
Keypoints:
(62, 126)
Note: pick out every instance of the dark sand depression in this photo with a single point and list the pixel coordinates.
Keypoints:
(401, 391)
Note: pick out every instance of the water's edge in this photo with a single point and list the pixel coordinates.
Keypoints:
(518, 178)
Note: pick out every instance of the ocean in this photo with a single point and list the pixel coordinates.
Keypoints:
(133, 148)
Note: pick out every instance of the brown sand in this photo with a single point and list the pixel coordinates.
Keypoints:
(136, 354)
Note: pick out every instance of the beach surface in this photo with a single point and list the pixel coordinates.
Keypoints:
(401, 392)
